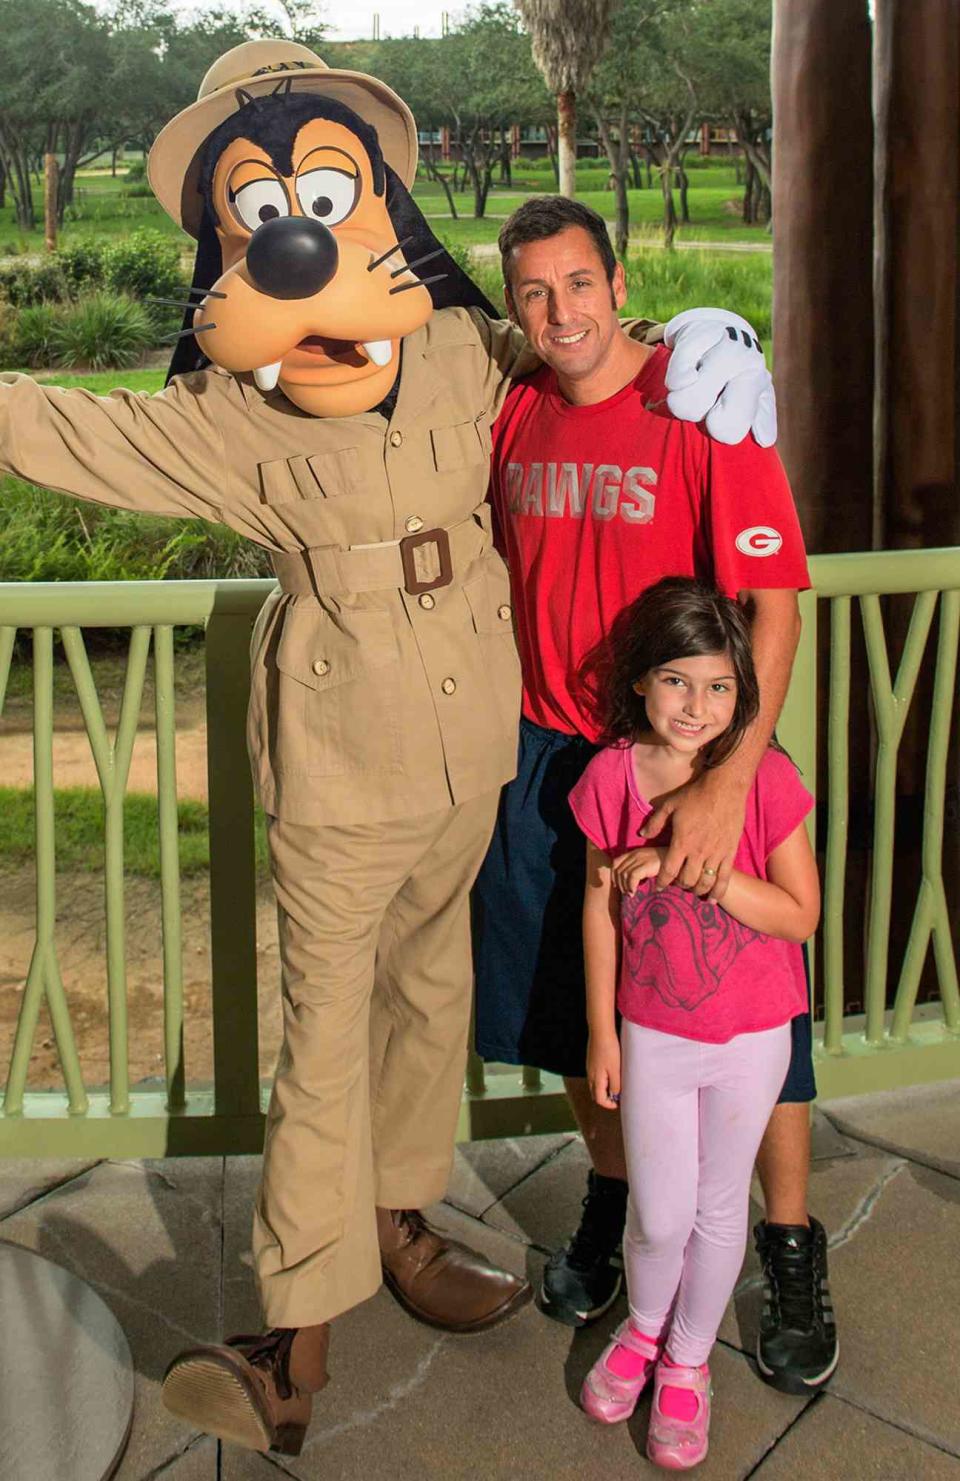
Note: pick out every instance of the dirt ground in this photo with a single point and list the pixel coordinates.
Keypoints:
(81, 954)
(80, 937)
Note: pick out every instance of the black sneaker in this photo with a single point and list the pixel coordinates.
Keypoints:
(798, 1348)
(583, 1280)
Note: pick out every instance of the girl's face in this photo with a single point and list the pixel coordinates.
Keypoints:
(690, 701)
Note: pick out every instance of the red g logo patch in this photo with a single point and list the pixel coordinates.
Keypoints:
(759, 540)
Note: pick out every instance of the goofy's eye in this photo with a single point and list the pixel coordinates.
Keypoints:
(260, 201)
(328, 195)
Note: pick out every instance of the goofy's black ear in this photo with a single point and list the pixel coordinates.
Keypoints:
(455, 289)
(207, 268)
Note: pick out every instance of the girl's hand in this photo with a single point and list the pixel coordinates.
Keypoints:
(630, 869)
(603, 1070)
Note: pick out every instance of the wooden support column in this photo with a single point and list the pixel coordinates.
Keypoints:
(917, 90)
(918, 268)
(822, 265)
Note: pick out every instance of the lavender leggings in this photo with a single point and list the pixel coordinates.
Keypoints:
(693, 1116)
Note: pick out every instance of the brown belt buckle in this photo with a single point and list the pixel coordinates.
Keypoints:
(409, 545)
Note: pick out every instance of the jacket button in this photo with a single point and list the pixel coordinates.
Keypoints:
(396, 438)
(504, 613)
(321, 667)
(413, 524)
(427, 602)
(449, 686)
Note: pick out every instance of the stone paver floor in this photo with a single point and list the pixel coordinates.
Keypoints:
(166, 1244)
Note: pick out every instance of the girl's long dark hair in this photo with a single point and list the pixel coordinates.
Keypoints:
(676, 618)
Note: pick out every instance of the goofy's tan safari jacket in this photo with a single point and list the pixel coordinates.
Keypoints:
(331, 398)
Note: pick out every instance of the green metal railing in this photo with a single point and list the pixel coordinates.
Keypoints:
(888, 1047)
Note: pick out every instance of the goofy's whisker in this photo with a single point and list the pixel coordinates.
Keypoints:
(180, 303)
(419, 283)
(169, 338)
(395, 248)
(417, 261)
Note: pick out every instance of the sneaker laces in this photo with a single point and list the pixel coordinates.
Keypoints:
(600, 1230)
(795, 1286)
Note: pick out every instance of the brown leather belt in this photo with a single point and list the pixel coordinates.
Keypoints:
(417, 563)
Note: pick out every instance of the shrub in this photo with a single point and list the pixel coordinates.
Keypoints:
(34, 336)
(82, 265)
(459, 253)
(143, 264)
(136, 171)
(8, 334)
(103, 331)
(24, 282)
(49, 537)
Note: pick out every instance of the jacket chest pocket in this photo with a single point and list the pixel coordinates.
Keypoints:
(462, 445)
(316, 476)
(338, 694)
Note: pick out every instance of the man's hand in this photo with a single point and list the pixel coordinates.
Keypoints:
(632, 868)
(717, 372)
(706, 818)
(603, 1070)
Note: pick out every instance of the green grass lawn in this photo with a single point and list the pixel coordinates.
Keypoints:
(79, 817)
(103, 207)
(103, 381)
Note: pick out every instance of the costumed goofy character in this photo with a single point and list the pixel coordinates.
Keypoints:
(332, 399)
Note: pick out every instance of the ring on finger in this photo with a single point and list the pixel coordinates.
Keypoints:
(707, 873)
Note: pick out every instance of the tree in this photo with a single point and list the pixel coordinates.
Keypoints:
(568, 39)
(623, 78)
(734, 39)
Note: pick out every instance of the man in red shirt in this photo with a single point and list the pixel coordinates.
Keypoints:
(599, 491)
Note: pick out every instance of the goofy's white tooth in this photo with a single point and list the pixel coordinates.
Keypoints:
(266, 376)
(378, 350)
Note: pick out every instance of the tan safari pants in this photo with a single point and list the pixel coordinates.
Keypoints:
(375, 947)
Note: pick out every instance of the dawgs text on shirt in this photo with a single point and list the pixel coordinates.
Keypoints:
(595, 503)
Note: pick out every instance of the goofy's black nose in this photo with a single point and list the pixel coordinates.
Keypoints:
(292, 257)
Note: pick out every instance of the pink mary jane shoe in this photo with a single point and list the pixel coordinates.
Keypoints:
(607, 1396)
(679, 1444)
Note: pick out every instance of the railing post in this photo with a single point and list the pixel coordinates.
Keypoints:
(233, 885)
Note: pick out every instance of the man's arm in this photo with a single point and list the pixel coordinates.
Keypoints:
(707, 815)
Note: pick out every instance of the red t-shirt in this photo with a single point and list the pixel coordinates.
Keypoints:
(687, 967)
(593, 504)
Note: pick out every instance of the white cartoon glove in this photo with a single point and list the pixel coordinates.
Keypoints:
(717, 372)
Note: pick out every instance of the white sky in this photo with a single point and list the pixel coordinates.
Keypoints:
(348, 20)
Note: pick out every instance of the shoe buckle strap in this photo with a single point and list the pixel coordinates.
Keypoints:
(625, 1336)
(690, 1378)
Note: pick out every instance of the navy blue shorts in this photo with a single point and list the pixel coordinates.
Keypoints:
(527, 910)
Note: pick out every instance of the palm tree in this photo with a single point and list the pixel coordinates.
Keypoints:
(568, 38)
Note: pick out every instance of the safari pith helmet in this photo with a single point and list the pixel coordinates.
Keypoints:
(258, 67)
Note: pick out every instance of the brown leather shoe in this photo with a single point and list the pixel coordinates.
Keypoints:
(440, 1281)
(252, 1391)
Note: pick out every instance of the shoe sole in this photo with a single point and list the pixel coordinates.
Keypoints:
(794, 1383)
(568, 1316)
(209, 1390)
(502, 1313)
(673, 1463)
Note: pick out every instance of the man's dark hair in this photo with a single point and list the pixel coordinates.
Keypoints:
(546, 215)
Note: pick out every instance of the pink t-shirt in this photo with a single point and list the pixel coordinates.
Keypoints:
(687, 967)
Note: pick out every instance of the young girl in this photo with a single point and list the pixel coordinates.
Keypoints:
(706, 992)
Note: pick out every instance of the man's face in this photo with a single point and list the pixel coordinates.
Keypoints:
(560, 296)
